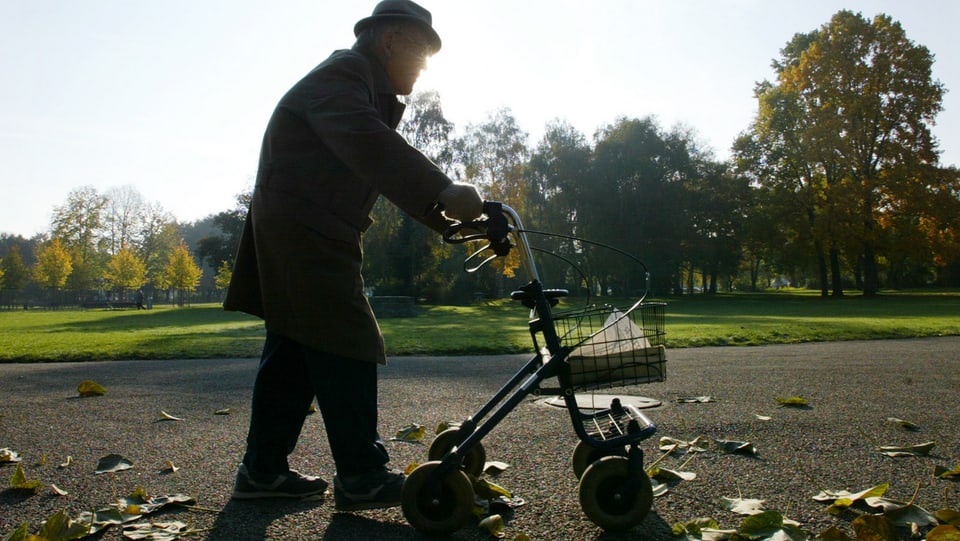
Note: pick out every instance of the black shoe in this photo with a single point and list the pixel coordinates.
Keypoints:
(289, 485)
(379, 489)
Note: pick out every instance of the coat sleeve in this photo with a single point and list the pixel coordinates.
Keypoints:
(339, 108)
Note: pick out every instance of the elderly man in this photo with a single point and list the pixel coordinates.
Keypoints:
(329, 151)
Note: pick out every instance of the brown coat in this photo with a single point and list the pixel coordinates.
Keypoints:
(329, 150)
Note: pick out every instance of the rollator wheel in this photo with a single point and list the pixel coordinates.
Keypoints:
(473, 462)
(584, 455)
(437, 512)
(608, 498)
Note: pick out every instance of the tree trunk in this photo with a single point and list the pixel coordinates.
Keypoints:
(836, 276)
(871, 274)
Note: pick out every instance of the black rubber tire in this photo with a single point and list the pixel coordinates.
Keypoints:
(474, 461)
(604, 502)
(584, 455)
(441, 514)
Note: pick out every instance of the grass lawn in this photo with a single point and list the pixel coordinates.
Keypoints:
(206, 331)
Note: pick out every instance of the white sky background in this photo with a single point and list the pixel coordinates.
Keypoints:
(171, 97)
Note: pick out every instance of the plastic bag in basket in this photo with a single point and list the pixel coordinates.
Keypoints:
(619, 354)
(617, 338)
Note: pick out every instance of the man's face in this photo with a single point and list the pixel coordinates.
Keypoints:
(407, 51)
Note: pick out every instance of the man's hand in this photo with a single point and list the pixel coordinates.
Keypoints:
(461, 202)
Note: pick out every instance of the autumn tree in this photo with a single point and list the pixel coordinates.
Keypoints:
(15, 271)
(182, 273)
(53, 266)
(78, 225)
(849, 119)
(224, 274)
(126, 271)
(159, 236)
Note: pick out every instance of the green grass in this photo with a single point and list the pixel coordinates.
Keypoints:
(206, 331)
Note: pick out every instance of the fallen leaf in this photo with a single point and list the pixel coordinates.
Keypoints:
(444, 425)
(695, 526)
(410, 467)
(493, 525)
(922, 449)
(91, 388)
(8, 456)
(772, 526)
(948, 516)
(944, 473)
(731, 446)
(113, 463)
(224, 411)
(664, 474)
(793, 401)
(486, 490)
(903, 513)
(156, 531)
(668, 444)
(834, 533)
(171, 468)
(495, 467)
(694, 399)
(67, 463)
(905, 424)
(875, 528)
(410, 433)
(164, 416)
(58, 491)
(60, 527)
(19, 481)
(827, 495)
(745, 506)
(762, 417)
(945, 532)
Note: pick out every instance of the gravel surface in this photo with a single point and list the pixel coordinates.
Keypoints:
(851, 389)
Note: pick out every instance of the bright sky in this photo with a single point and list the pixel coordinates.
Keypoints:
(171, 97)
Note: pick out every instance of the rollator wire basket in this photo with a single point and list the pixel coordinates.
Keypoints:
(611, 348)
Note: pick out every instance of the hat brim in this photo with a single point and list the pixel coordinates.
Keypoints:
(432, 35)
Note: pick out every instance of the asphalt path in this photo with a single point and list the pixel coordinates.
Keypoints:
(852, 388)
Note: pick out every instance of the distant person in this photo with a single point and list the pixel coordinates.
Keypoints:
(330, 149)
(140, 300)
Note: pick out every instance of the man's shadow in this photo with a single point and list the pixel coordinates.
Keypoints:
(249, 520)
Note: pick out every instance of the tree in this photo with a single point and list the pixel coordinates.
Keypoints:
(126, 271)
(401, 256)
(53, 266)
(78, 225)
(852, 112)
(224, 275)
(213, 249)
(159, 235)
(494, 156)
(122, 219)
(15, 271)
(181, 273)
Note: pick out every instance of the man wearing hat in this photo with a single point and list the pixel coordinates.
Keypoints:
(330, 149)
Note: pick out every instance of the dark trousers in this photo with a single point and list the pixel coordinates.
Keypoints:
(289, 378)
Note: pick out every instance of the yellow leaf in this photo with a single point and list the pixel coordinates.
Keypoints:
(410, 432)
(412, 466)
(793, 401)
(224, 411)
(91, 388)
(19, 481)
(493, 525)
(171, 467)
(164, 416)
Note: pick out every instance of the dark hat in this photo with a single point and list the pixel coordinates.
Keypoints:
(400, 11)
